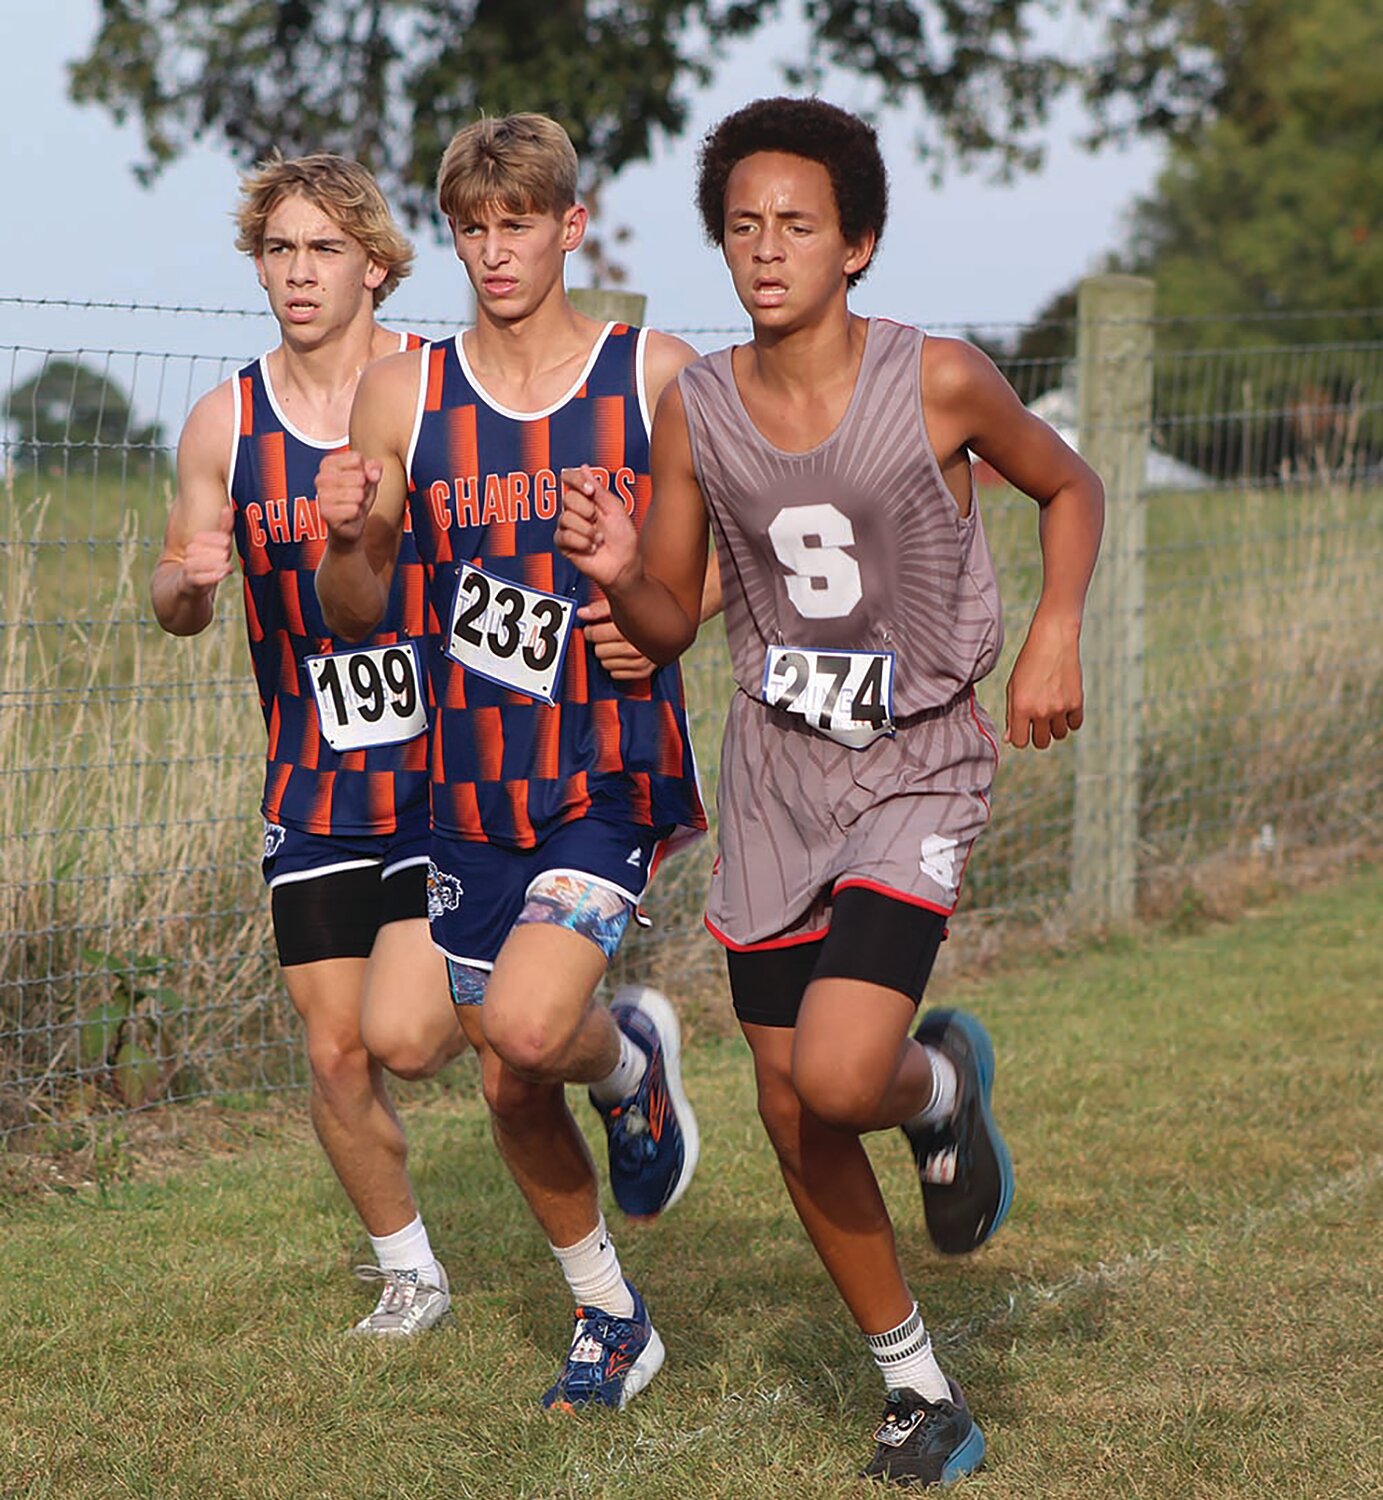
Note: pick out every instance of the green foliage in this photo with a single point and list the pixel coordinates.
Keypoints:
(135, 1073)
(126, 1032)
(1274, 212)
(1261, 230)
(70, 407)
(1037, 358)
(1277, 206)
(390, 83)
(1171, 67)
(98, 1032)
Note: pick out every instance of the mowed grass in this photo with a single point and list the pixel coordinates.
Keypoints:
(1184, 1302)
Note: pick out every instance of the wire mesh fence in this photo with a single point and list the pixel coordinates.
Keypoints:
(135, 952)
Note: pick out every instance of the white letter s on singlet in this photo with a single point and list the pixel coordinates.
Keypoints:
(823, 581)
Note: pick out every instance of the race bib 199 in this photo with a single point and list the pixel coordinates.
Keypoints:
(370, 696)
(847, 695)
(510, 634)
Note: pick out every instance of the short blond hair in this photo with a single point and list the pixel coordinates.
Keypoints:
(525, 163)
(343, 190)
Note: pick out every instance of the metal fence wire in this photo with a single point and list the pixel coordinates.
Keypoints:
(1238, 666)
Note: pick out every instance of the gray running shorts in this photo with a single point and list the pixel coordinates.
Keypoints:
(801, 816)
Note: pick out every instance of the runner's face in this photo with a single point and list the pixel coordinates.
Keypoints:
(783, 241)
(318, 277)
(515, 260)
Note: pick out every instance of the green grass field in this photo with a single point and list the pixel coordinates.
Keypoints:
(1184, 1302)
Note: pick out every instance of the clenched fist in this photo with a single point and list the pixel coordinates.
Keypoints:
(206, 559)
(347, 484)
(593, 529)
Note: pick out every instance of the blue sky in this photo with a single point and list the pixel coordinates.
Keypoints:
(79, 227)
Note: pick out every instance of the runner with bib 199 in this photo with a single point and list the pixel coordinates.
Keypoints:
(345, 786)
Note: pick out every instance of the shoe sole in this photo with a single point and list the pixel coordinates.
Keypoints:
(659, 1010)
(966, 1459)
(640, 1373)
(937, 1023)
(644, 1368)
(444, 1319)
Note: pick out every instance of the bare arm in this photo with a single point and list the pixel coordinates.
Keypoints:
(361, 492)
(970, 405)
(664, 356)
(655, 579)
(624, 661)
(664, 359)
(712, 594)
(197, 540)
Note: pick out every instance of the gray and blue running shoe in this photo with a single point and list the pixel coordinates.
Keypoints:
(924, 1443)
(963, 1164)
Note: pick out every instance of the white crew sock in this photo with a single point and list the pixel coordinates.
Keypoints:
(945, 1089)
(593, 1273)
(627, 1075)
(407, 1249)
(905, 1359)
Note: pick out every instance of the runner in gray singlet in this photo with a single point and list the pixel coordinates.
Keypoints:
(831, 458)
(867, 553)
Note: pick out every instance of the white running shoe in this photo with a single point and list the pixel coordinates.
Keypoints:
(407, 1304)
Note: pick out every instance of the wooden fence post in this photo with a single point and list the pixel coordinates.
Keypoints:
(1114, 347)
(611, 306)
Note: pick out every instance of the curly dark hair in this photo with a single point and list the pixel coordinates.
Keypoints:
(843, 143)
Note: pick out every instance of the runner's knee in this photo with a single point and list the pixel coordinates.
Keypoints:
(414, 1051)
(836, 1093)
(339, 1063)
(532, 1046)
(780, 1110)
(514, 1102)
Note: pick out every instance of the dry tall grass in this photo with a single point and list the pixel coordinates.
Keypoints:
(1262, 697)
(132, 955)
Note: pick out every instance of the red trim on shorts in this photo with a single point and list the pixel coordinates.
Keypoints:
(887, 890)
(989, 811)
(782, 942)
(965, 863)
(979, 724)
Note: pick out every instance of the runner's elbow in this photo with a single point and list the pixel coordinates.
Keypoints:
(348, 619)
(663, 653)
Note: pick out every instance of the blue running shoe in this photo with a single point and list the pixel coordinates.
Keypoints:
(610, 1360)
(924, 1443)
(964, 1166)
(653, 1138)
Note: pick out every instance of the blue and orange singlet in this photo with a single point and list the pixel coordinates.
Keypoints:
(369, 695)
(530, 732)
